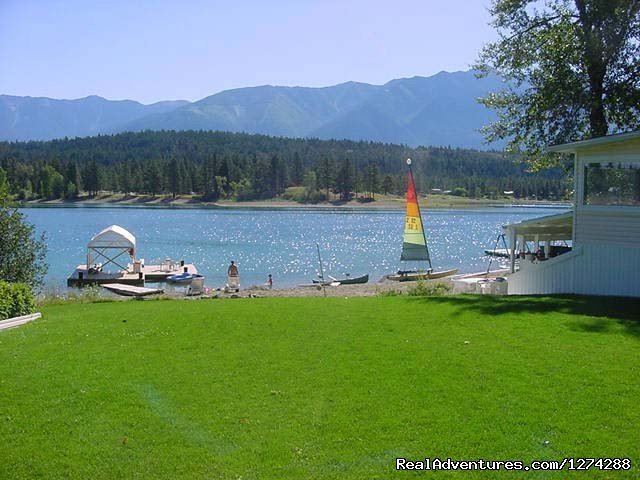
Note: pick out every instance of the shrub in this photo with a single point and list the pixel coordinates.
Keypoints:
(315, 197)
(22, 253)
(296, 194)
(390, 293)
(424, 289)
(16, 299)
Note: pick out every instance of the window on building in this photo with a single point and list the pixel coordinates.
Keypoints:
(613, 183)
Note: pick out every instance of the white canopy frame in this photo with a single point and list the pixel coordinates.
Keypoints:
(542, 229)
(109, 245)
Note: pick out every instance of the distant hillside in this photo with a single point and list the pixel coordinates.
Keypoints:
(40, 118)
(437, 110)
(214, 165)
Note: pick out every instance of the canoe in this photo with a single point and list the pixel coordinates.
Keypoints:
(183, 277)
(344, 281)
(411, 276)
(354, 280)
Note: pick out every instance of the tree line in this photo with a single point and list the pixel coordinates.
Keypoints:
(215, 165)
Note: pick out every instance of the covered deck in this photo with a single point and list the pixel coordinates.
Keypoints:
(538, 239)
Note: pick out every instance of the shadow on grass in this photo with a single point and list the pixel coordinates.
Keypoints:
(599, 310)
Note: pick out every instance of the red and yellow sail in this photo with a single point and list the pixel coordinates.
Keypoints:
(414, 245)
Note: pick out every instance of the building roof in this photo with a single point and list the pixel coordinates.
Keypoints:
(593, 142)
(555, 227)
(113, 237)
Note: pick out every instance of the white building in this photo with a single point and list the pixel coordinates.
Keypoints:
(603, 228)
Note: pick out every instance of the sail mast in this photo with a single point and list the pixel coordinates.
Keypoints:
(426, 245)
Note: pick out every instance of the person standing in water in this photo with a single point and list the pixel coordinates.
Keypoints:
(270, 281)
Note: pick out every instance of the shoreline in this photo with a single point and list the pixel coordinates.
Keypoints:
(381, 287)
(387, 203)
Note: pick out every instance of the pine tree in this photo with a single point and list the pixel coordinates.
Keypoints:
(326, 175)
(92, 178)
(345, 181)
(387, 184)
(298, 172)
(174, 174)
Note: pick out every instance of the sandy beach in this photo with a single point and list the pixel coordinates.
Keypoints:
(381, 287)
(382, 202)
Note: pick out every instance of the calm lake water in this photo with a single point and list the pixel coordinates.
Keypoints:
(280, 242)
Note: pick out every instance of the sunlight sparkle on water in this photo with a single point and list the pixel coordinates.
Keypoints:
(282, 243)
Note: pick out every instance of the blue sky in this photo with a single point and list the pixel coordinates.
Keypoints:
(159, 50)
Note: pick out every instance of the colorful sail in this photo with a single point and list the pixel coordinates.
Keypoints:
(414, 245)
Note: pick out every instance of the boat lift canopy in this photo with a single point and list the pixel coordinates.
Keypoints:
(541, 229)
(109, 245)
(551, 227)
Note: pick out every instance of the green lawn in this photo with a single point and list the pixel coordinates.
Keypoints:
(318, 388)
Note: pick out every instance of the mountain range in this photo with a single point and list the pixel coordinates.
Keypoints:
(437, 110)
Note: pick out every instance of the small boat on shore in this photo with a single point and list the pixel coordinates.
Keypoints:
(184, 277)
(348, 280)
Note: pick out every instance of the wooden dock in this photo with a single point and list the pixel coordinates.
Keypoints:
(131, 290)
(149, 273)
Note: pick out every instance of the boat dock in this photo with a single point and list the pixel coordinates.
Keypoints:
(148, 273)
(111, 254)
(131, 290)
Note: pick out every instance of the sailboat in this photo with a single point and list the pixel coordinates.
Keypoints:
(414, 245)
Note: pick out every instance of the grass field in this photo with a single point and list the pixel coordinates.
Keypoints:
(318, 388)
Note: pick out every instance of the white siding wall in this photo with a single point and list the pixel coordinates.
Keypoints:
(607, 225)
(590, 270)
(555, 275)
(608, 269)
(606, 242)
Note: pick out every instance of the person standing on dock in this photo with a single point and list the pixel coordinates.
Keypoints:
(233, 282)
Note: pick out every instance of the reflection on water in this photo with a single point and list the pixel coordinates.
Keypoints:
(282, 243)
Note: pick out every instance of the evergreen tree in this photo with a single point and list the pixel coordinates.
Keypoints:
(153, 180)
(92, 178)
(344, 181)
(387, 184)
(298, 171)
(326, 175)
(174, 174)
(373, 181)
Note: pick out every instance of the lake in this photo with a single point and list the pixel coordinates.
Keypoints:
(280, 242)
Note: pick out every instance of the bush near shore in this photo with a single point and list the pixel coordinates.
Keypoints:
(16, 299)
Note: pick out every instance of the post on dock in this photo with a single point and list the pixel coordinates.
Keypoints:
(512, 253)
